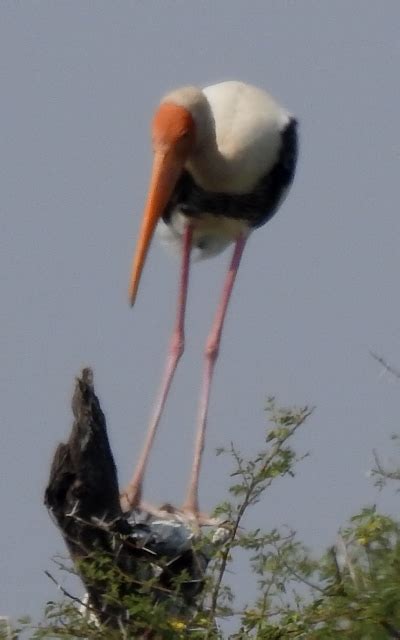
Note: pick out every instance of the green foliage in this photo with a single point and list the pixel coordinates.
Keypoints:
(352, 591)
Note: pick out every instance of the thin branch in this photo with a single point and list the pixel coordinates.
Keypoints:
(381, 471)
(67, 594)
(226, 552)
(298, 576)
(387, 367)
(253, 488)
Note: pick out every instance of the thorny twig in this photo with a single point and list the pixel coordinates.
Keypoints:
(381, 471)
(226, 552)
(251, 486)
(66, 593)
(387, 367)
(296, 575)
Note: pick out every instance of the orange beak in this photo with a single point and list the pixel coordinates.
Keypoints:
(167, 167)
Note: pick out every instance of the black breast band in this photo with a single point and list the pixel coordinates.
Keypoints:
(258, 206)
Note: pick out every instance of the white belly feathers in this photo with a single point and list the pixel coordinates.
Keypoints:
(211, 234)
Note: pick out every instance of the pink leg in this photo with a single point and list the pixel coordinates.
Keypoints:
(133, 491)
(191, 504)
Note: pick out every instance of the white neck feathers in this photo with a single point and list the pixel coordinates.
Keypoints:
(238, 134)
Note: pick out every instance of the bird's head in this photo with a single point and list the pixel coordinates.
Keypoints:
(175, 136)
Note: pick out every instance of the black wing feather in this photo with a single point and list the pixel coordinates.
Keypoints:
(258, 206)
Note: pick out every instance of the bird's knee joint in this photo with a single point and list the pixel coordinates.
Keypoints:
(178, 346)
(211, 351)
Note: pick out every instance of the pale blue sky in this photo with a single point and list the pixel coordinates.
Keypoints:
(317, 289)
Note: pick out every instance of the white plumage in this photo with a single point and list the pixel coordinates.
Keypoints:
(224, 159)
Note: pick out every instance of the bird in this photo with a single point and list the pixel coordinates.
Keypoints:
(224, 159)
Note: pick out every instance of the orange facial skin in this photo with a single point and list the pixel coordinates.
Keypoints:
(173, 134)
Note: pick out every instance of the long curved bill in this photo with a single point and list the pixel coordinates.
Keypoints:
(167, 167)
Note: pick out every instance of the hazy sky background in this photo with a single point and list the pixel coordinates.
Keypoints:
(318, 287)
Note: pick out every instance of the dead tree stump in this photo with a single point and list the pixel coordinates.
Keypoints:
(84, 499)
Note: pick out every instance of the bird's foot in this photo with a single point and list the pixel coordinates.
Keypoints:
(131, 498)
(191, 513)
(193, 518)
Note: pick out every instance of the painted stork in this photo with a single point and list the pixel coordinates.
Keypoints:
(224, 159)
